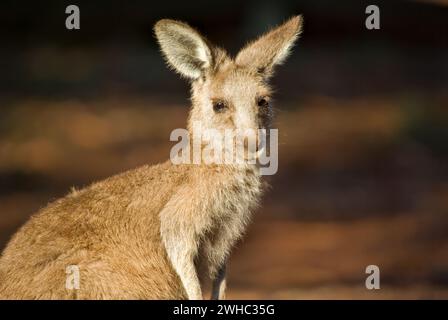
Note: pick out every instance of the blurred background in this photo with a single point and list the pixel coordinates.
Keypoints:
(362, 118)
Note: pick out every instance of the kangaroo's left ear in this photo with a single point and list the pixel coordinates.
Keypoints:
(271, 48)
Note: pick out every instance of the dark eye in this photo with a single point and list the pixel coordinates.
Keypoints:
(263, 102)
(219, 106)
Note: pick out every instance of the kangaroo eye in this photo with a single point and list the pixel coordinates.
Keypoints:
(263, 102)
(219, 106)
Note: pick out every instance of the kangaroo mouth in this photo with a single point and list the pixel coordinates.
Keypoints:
(255, 153)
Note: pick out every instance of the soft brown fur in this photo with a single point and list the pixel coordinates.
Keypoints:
(143, 234)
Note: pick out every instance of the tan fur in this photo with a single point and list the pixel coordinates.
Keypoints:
(145, 233)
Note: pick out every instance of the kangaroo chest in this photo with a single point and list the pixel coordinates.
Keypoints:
(230, 208)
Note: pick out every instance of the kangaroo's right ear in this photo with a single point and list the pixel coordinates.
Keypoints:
(185, 50)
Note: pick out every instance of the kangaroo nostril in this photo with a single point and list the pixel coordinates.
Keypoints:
(263, 102)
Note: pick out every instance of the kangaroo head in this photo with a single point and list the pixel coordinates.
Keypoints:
(227, 93)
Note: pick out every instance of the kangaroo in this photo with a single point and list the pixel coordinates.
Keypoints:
(156, 232)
